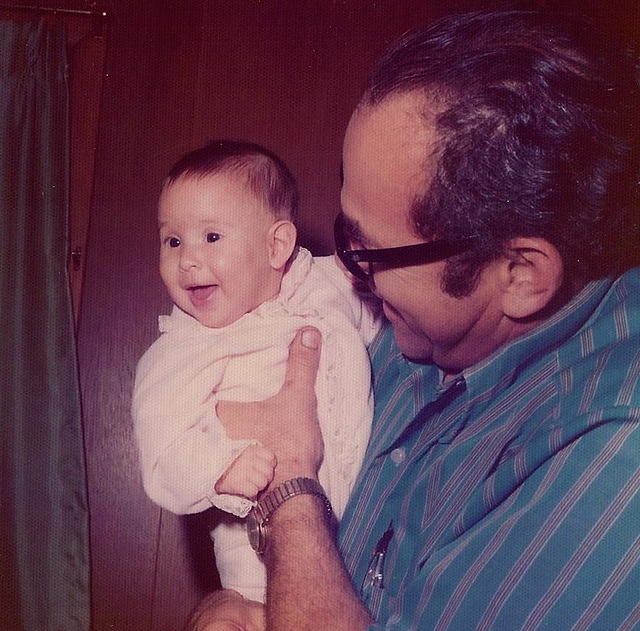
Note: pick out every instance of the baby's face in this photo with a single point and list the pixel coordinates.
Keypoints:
(214, 248)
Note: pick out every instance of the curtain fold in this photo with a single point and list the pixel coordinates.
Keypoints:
(44, 537)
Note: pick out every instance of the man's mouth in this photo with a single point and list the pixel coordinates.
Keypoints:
(200, 294)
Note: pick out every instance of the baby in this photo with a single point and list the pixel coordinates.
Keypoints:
(241, 289)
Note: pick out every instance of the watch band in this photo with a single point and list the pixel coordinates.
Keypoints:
(259, 517)
(268, 504)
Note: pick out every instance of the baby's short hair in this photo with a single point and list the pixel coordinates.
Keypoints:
(266, 174)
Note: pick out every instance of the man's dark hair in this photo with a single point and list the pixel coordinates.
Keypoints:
(539, 135)
(266, 174)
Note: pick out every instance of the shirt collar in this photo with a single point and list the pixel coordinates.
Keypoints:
(499, 369)
(487, 377)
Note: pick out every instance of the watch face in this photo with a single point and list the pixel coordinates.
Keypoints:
(255, 530)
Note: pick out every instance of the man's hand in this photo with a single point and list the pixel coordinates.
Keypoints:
(287, 423)
(227, 610)
(249, 473)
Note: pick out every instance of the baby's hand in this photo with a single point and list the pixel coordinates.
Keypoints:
(249, 473)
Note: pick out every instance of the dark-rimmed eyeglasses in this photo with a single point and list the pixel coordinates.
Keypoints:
(402, 256)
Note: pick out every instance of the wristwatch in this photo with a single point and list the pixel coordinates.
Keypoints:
(258, 518)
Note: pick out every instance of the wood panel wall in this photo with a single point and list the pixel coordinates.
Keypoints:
(284, 73)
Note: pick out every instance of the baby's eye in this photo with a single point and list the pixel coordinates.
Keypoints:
(212, 237)
(172, 242)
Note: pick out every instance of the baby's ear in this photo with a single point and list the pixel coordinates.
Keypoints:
(533, 275)
(281, 241)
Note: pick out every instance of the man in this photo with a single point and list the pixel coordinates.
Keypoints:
(500, 487)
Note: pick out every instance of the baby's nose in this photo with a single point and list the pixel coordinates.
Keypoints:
(189, 258)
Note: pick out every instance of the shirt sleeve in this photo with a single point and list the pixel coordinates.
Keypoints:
(546, 543)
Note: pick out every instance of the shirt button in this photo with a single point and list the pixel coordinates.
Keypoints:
(398, 456)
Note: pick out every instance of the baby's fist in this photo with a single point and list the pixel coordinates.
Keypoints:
(249, 473)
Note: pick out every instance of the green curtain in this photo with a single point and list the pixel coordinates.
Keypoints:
(44, 557)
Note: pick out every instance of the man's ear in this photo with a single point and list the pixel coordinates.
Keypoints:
(533, 275)
(281, 241)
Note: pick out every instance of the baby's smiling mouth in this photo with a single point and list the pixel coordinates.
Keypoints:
(200, 294)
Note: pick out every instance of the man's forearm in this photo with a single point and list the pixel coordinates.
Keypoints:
(308, 586)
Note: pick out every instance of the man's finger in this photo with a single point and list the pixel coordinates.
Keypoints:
(304, 356)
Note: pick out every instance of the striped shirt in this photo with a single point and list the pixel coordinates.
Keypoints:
(508, 498)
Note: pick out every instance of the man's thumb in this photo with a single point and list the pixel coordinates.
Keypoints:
(310, 338)
(304, 356)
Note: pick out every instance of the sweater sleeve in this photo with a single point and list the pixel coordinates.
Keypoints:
(182, 445)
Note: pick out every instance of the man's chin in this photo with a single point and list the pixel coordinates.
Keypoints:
(413, 347)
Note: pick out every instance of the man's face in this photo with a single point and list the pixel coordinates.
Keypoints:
(213, 248)
(387, 162)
